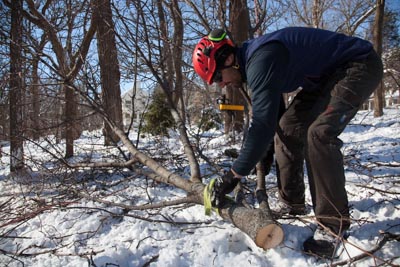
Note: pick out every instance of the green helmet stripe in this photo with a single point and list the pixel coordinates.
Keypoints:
(217, 35)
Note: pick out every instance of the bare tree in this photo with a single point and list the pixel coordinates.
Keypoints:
(317, 14)
(109, 68)
(377, 36)
(309, 12)
(336, 15)
(157, 49)
(34, 124)
(239, 29)
(16, 89)
(351, 15)
(69, 62)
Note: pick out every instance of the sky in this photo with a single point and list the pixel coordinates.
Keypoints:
(394, 4)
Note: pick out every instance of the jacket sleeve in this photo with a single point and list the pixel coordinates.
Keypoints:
(266, 71)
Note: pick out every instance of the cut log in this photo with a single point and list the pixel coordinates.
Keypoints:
(258, 224)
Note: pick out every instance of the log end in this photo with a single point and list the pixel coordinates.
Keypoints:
(269, 236)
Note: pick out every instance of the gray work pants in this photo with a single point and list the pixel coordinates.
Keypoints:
(309, 131)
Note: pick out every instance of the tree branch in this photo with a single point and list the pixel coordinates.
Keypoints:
(385, 237)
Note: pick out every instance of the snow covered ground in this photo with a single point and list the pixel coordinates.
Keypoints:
(46, 221)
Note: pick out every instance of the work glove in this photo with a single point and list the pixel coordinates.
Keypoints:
(223, 185)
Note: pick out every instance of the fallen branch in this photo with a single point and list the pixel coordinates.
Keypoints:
(387, 164)
(51, 251)
(378, 190)
(29, 215)
(152, 259)
(385, 237)
(162, 204)
(135, 216)
(258, 224)
(126, 164)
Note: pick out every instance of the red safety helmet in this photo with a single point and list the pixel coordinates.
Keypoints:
(204, 61)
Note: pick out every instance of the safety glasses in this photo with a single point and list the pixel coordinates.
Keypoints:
(217, 77)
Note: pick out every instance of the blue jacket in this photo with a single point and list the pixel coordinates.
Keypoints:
(281, 62)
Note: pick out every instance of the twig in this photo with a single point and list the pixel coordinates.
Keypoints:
(152, 259)
(387, 164)
(385, 237)
(126, 164)
(5, 202)
(29, 215)
(136, 216)
(162, 204)
(49, 251)
(378, 190)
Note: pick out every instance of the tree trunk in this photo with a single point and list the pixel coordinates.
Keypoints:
(377, 39)
(258, 224)
(109, 68)
(177, 55)
(70, 120)
(35, 100)
(239, 19)
(316, 14)
(16, 89)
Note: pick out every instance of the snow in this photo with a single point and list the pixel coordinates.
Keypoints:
(76, 231)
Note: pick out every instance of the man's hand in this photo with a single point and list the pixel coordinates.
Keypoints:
(223, 185)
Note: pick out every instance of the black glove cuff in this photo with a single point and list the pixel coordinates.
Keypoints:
(228, 176)
(230, 181)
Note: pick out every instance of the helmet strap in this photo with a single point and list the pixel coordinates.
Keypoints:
(235, 65)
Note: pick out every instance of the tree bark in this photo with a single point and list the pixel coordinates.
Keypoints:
(16, 89)
(35, 100)
(317, 14)
(377, 36)
(34, 122)
(69, 120)
(240, 27)
(258, 224)
(109, 68)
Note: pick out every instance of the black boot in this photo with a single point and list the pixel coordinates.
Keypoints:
(323, 243)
